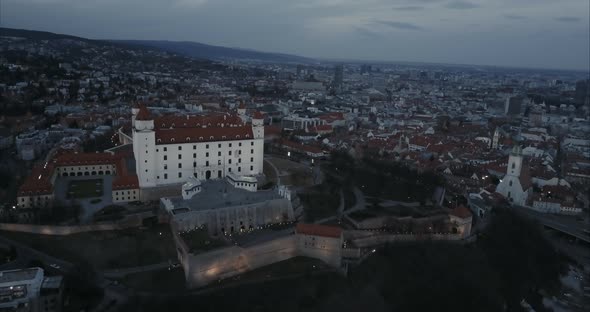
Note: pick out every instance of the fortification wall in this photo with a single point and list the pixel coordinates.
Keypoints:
(205, 268)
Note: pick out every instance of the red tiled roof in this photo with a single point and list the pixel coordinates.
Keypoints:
(258, 115)
(124, 182)
(186, 135)
(197, 121)
(318, 230)
(461, 212)
(143, 114)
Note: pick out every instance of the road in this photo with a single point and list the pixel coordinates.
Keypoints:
(275, 169)
(119, 273)
(565, 224)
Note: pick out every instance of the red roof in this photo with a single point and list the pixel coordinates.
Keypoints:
(318, 230)
(186, 135)
(143, 114)
(258, 115)
(125, 182)
(461, 212)
(197, 121)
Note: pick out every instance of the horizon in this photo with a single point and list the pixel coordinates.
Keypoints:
(549, 36)
(320, 59)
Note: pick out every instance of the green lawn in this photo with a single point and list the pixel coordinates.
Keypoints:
(85, 188)
(159, 281)
(105, 249)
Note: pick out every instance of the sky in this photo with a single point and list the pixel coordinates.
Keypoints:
(516, 33)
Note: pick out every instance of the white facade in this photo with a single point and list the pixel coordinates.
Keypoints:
(510, 186)
(161, 163)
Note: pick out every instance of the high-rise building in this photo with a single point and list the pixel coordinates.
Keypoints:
(582, 96)
(513, 106)
(338, 75)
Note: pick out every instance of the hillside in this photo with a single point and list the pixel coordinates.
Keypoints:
(200, 50)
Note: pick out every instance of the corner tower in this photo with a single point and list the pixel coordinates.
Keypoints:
(144, 147)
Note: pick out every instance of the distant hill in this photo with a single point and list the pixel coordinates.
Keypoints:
(200, 50)
(38, 35)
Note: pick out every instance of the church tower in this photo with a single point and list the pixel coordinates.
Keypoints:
(515, 186)
(515, 162)
(496, 139)
(144, 147)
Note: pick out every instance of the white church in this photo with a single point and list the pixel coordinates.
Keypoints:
(171, 149)
(516, 186)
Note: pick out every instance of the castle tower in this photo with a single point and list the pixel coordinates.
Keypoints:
(258, 125)
(241, 109)
(134, 112)
(144, 147)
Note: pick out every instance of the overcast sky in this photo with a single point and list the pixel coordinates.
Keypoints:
(527, 33)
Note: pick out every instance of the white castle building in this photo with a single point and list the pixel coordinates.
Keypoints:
(516, 186)
(173, 148)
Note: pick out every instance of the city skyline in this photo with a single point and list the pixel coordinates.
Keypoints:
(530, 34)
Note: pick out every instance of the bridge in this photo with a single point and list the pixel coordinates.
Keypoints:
(569, 225)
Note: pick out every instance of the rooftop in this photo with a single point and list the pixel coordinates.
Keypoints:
(19, 275)
(217, 194)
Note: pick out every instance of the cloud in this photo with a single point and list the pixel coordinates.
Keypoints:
(409, 8)
(367, 33)
(567, 19)
(190, 3)
(514, 17)
(399, 25)
(461, 5)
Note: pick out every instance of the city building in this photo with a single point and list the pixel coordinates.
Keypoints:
(28, 290)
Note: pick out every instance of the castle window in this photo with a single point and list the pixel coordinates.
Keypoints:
(513, 165)
(201, 139)
(194, 147)
(211, 138)
(207, 163)
(229, 153)
(165, 176)
(165, 157)
(194, 164)
(251, 143)
(251, 168)
(247, 135)
(180, 147)
(159, 140)
(219, 145)
(240, 144)
(510, 183)
(230, 161)
(239, 160)
(188, 139)
(165, 167)
(179, 165)
(206, 145)
(207, 154)
(237, 137)
(218, 153)
(179, 156)
(194, 155)
(229, 144)
(172, 140)
(180, 174)
(165, 148)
